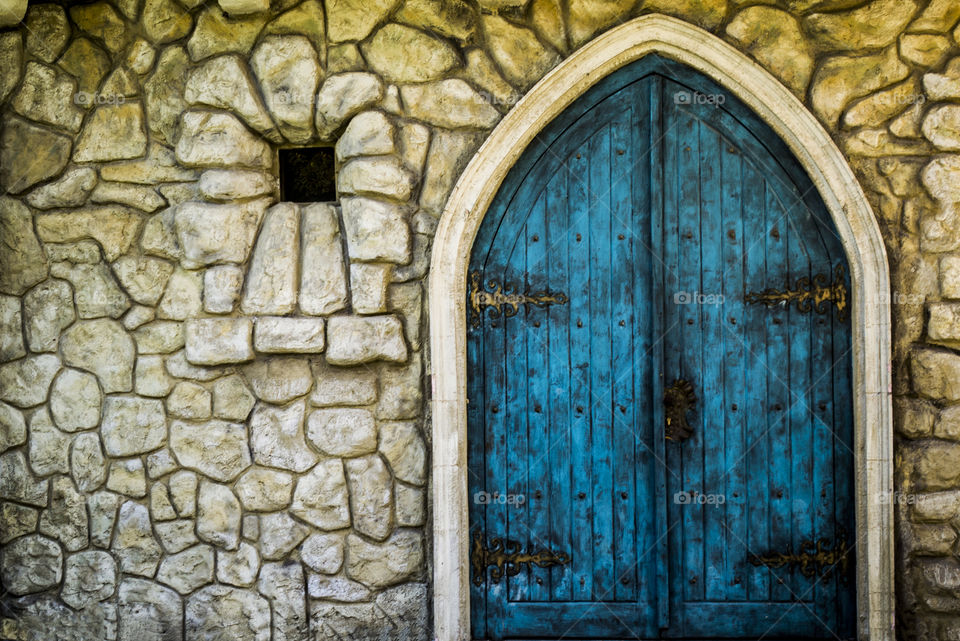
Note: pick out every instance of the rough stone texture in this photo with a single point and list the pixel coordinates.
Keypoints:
(48, 310)
(343, 432)
(214, 341)
(221, 288)
(289, 73)
(403, 447)
(323, 553)
(265, 490)
(279, 380)
(283, 584)
(112, 132)
(343, 95)
(452, 104)
(132, 425)
(842, 78)
(189, 400)
(217, 233)
(232, 613)
(217, 33)
(134, 545)
(361, 339)
(183, 492)
(70, 190)
(376, 230)
(323, 284)
(411, 506)
(384, 564)
(25, 382)
(217, 449)
(90, 577)
(321, 496)
(87, 463)
(31, 564)
(940, 126)
(47, 31)
(102, 347)
(276, 438)
(238, 568)
(11, 334)
(368, 287)
(149, 612)
(16, 521)
(272, 278)
(936, 374)
(22, 261)
(48, 446)
(183, 297)
(18, 171)
(13, 427)
(103, 512)
(218, 515)
(875, 25)
(355, 19)
(369, 133)
(127, 477)
(219, 140)
(189, 570)
(113, 227)
(17, 482)
(371, 496)
(403, 54)
(339, 386)
(235, 184)
(231, 399)
(224, 82)
(279, 335)
(47, 95)
(143, 278)
(96, 291)
(279, 534)
(65, 519)
(775, 39)
(377, 177)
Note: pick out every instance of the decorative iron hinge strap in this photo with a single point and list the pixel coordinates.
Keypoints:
(506, 303)
(809, 294)
(818, 559)
(507, 559)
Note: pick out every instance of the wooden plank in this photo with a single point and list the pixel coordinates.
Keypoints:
(711, 370)
(536, 501)
(561, 584)
(734, 374)
(625, 404)
(579, 244)
(601, 415)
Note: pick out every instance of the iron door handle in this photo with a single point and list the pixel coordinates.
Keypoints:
(678, 399)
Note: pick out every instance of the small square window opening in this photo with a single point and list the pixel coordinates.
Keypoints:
(308, 175)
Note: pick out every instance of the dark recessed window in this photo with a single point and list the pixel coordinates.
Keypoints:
(308, 175)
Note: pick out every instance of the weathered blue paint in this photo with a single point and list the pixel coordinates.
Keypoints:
(655, 215)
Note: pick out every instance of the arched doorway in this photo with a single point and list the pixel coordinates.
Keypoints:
(860, 242)
(659, 379)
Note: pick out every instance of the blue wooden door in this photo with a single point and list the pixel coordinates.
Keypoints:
(659, 414)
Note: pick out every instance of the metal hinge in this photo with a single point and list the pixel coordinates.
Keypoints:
(505, 303)
(809, 294)
(507, 559)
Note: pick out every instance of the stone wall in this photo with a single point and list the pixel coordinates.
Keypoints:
(213, 408)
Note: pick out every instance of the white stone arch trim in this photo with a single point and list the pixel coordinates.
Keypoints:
(855, 223)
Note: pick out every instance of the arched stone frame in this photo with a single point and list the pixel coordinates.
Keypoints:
(851, 213)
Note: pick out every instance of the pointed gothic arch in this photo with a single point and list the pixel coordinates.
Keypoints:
(852, 216)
